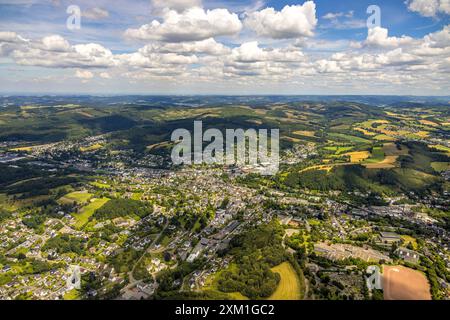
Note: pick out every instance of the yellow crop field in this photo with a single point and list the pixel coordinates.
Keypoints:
(24, 149)
(391, 154)
(365, 132)
(429, 123)
(305, 133)
(94, 147)
(327, 168)
(440, 148)
(289, 287)
(422, 134)
(358, 156)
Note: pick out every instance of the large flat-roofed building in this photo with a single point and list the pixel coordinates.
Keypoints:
(389, 237)
(408, 255)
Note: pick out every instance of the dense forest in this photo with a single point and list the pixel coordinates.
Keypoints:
(116, 208)
(255, 251)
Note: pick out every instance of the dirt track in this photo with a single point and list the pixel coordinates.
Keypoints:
(401, 283)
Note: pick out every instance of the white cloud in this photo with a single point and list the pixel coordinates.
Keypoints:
(378, 37)
(251, 52)
(9, 41)
(328, 66)
(250, 60)
(11, 37)
(84, 74)
(439, 39)
(397, 57)
(149, 57)
(429, 8)
(381, 60)
(193, 24)
(55, 43)
(54, 52)
(291, 22)
(95, 13)
(177, 5)
(208, 46)
(105, 75)
(335, 15)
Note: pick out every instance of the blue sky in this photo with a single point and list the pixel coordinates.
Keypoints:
(194, 46)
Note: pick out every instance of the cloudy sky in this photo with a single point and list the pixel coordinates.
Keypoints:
(225, 47)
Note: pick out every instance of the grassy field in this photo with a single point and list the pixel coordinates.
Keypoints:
(6, 203)
(289, 286)
(410, 240)
(440, 166)
(370, 123)
(377, 155)
(137, 196)
(338, 150)
(384, 137)
(77, 196)
(100, 185)
(385, 157)
(86, 212)
(347, 137)
(72, 295)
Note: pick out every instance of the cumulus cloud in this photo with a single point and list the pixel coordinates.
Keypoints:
(54, 52)
(208, 46)
(378, 37)
(429, 8)
(149, 57)
(9, 41)
(55, 43)
(328, 66)
(397, 57)
(381, 59)
(251, 52)
(439, 39)
(291, 22)
(11, 37)
(193, 24)
(251, 60)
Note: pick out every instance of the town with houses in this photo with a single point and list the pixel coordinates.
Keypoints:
(137, 227)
